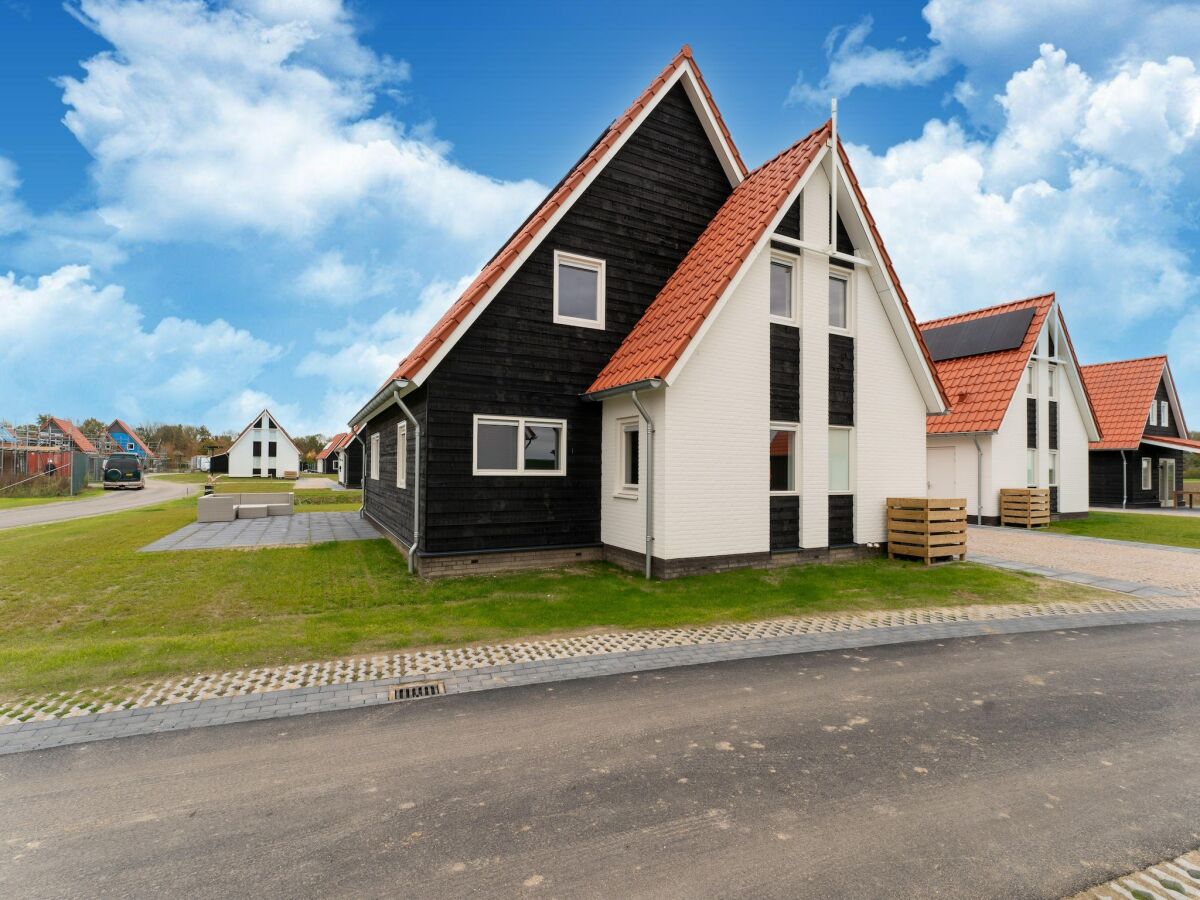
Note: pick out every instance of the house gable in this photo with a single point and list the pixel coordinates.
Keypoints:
(1124, 391)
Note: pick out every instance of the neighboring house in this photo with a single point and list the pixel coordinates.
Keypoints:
(66, 432)
(129, 441)
(263, 449)
(1139, 461)
(1020, 414)
(327, 459)
(663, 297)
(349, 452)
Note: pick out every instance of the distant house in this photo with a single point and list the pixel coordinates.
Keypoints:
(1020, 414)
(262, 450)
(327, 459)
(675, 364)
(1139, 460)
(66, 432)
(6, 436)
(349, 453)
(128, 440)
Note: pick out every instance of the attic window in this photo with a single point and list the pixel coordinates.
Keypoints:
(578, 290)
(1164, 414)
(782, 279)
(1153, 413)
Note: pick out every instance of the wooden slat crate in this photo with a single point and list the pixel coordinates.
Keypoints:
(1027, 507)
(927, 529)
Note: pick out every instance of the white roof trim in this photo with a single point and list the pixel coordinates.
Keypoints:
(708, 119)
(1163, 441)
(1176, 406)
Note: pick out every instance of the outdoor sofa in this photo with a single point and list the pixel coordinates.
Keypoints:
(227, 507)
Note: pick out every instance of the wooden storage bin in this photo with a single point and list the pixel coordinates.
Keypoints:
(927, 529)
(1026, 507)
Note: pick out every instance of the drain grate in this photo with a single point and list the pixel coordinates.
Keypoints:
(417, 691)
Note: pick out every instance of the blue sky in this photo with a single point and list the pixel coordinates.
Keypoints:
(266, 202)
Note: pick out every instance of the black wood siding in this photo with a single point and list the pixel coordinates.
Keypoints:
(1053, 501)
(785, 373)
(219, 464)
(1104, 475)
(785, 523)
(641, 215)
(1053, 436)
(790, 225)
(354, 464)
(391, 506)
(841, 380)
(1031, 423)
(841, 519)
(1170, 429)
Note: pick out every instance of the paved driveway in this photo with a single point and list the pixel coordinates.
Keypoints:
(1151, 564)
(156, 491)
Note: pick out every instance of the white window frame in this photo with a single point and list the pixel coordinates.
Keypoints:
(402, 455)
(794, 428)
(1032, 475)
(581, 262)
(1053, 475)
(793, 263)
(625, 425)
(846, 275)
(850, 467)
(520, 422)
(1051, 379)
(1154, 412)
(375, 456)
(1147, 474)
(1164, 414)
(1031, 380)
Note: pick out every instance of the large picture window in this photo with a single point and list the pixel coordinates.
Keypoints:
(841, 468)
(578, 290)
(514, 445)
(783, 459)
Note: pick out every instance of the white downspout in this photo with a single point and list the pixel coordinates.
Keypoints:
(412, 552)
(649, 479)
(978, 480)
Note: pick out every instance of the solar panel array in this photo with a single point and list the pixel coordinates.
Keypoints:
(991, 334)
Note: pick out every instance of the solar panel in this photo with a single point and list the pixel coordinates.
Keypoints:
(991, 334)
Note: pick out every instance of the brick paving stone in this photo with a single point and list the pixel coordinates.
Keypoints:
(298, 529)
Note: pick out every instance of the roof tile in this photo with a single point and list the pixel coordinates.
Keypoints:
(1121, 394)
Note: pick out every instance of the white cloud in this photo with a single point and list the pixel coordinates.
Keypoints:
(62, 335)
(259, 116)
(332, 279)
(13, 215)
(360, 356)
(853, 63)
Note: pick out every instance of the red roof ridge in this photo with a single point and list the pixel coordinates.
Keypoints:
(67, 427)
(1125, 362)
(530, 229)
(986, 310)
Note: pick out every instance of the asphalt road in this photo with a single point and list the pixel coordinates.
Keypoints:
(156, 491)
(1007, 766)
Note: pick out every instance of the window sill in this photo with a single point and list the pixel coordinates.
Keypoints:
(783, 320)
(625, 495)
(842, 331)
(784, 493)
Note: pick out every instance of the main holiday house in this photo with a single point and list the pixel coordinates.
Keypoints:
(669, 365)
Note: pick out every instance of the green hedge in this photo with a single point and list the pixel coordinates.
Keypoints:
(319, 497)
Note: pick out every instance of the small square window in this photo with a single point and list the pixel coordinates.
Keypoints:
(543, 450)
(496, 446)
(1031, 473)
(578, 290)
(839, 311)
(840, 468)
(783, 459)
(781, 290)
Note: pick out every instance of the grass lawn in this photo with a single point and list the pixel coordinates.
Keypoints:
(1178, 531)
(14, 502)
(1192, 484)
(80, 608)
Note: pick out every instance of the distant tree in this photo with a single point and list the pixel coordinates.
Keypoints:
(91, 426)
(310, 443)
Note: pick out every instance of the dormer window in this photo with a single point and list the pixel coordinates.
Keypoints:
(578, 290)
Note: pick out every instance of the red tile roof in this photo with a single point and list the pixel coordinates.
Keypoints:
(981, 387)
(137, 438)
(67, 427)
(1121, 394)
(659, 339)
(331, 445)
(532, 227)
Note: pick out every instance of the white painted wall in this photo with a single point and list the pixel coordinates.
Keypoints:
(715, 471)
(889, 417)
(623, 518)
(242, 461)
(966, 471)
(813, 478)
(1073, 485)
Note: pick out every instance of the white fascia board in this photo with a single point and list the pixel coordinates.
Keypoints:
(1166, 443)
(905, 333)
(684, 72)
(1176, 406)
(763, 242)
(1078, 391)
(708, 118)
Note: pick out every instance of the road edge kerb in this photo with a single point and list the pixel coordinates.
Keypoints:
(1149, 881)
(45, 734)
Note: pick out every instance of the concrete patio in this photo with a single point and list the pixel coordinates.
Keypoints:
(277, 531)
